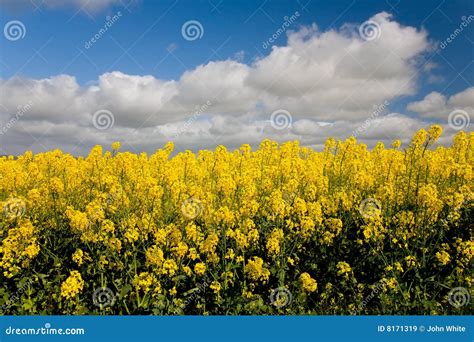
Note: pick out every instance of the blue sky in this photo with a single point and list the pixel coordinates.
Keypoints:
(230, 26)
(147, 40)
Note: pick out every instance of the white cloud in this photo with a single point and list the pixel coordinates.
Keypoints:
(55, 99)
(332, 76)
(438, 106)
(434, 102)
(207, 133)
(335, 74)
(463, 99)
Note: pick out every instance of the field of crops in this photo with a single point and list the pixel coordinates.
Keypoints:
(281, 229)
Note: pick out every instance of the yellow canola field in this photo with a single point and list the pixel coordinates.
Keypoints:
(283, 229)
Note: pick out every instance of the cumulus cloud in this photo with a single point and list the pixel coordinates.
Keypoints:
(329, 81)
(55, 99)
(438, 106)
(208, 133)
(336, 74)
(432, 103)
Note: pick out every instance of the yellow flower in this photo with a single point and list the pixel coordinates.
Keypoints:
(144, 281)
(267, 210)
(273, 242)
(187, 270)
(256, 271)
(390, 283)
(78, 257)
(419, 138)
(193, 254)
(78, 220)
(200, 268)
(72, 286)
(396, 144)
(169, 267)
(154, 256)
(308, 284)
(443, 257)
(209, 245)
(344, 268)
(215, 286)
(247, 294)
(18, 248)
(230, 255)
(32, 250)
(435, 132)
(180, 250)
(56, 185)
(411, 261)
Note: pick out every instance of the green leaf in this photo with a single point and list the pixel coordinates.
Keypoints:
(124, 290)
